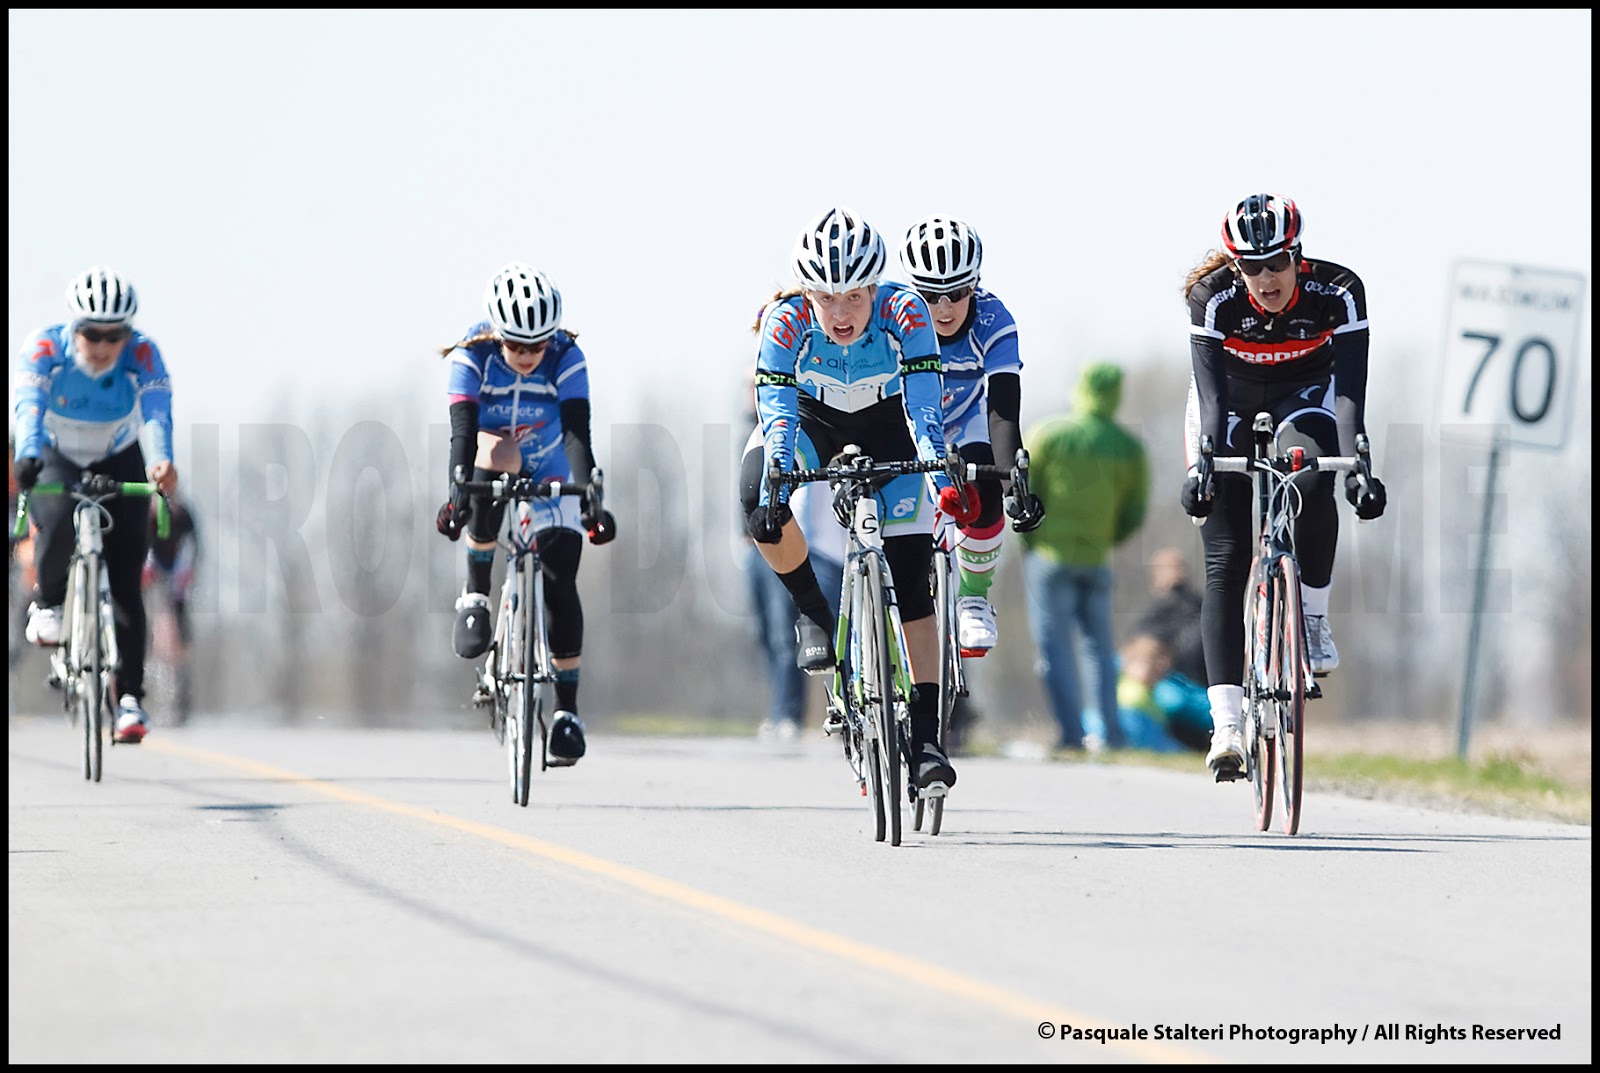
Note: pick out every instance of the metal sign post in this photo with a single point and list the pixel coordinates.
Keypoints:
(1510, 366)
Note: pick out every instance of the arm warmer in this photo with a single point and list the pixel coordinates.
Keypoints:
(575, 438)
(463, 437)
(1005, 404)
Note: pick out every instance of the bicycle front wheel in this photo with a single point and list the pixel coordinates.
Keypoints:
(523, 707)
(519, 747)
(1290, 649)
(88, 666)
(1260, 708)
(882, 682)
(858, 701)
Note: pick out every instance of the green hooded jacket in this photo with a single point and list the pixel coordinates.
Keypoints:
(1091, 474)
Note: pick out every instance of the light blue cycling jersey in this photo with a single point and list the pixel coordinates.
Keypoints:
(525, 408)
(85, 417)
(898, 354)
(988, 347)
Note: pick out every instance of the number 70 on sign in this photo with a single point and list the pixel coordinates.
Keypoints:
(1511, 351)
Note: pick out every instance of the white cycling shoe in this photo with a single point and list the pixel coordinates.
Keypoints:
(1226, 758)
(44, 625)
(1319, 644)
(975, 626)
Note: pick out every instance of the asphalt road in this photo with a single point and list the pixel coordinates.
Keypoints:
(238, 894)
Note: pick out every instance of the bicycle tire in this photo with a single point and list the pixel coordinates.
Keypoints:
(1291, 689)
(526, 689)
(517, 685)
(861, 612)
(540, 665)
(1259, 708)
(87, 665)
(891, 749)
(949, 668)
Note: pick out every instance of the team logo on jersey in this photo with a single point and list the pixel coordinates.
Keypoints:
(144, 354)
(522, 433)
(1248, 323)
(47, 349)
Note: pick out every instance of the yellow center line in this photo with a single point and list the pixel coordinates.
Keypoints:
(925, 974)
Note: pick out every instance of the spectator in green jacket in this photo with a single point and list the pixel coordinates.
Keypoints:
(1094, 480)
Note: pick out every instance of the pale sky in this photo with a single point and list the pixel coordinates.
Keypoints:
(310, 202)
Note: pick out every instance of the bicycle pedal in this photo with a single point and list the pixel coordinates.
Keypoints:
(1313, 691)
(482, 698)
(1229, 773)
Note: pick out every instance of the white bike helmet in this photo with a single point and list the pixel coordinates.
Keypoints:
(101, 296)
(839, 253)
(524, 306)
(1260, 226)
(941, 254)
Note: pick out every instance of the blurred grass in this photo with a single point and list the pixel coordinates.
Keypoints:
(1503, 783)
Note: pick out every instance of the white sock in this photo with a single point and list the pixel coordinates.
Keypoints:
(1315, 601)
(1227, 705)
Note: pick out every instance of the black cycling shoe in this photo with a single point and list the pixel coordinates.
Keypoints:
(933, 772)
(813, 646)
(566, 740)
(474, 627)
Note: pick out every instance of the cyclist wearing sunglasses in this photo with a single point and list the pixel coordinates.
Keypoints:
(845, 358)
(92, 396)
(982, 400)
(519, 403)
(1270, 330)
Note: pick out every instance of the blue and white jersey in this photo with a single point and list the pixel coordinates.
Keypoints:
(898, 354)
(988, 346)
(86, 417)
(526, 409)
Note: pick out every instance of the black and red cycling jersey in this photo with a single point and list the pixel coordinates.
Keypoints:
(1322, 330)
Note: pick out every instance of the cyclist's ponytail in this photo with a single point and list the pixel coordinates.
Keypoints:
(1214, 260)
(787, 292)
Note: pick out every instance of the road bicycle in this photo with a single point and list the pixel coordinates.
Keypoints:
(1277, 675)
(869, 693)
(517, 678)
(84, 667)
(946, 583)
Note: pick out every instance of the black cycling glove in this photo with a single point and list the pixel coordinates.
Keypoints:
(757, 525)
(1367, 506)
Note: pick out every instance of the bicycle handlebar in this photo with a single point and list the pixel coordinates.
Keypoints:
(507, 487)
(93, 486)
(1284, 466)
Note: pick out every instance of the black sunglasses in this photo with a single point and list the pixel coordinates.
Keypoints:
(1277, 264)
(524, 348)
(110, 335)
(932, 297)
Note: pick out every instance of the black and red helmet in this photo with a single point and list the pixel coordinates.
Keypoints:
(1260, 226)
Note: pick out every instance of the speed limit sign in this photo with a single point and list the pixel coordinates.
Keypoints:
(1511, 351)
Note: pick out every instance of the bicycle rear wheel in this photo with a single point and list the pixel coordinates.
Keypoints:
(1260, 708)
(945, 591)
(882, 680)
(1291, 689)
(87, 665)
